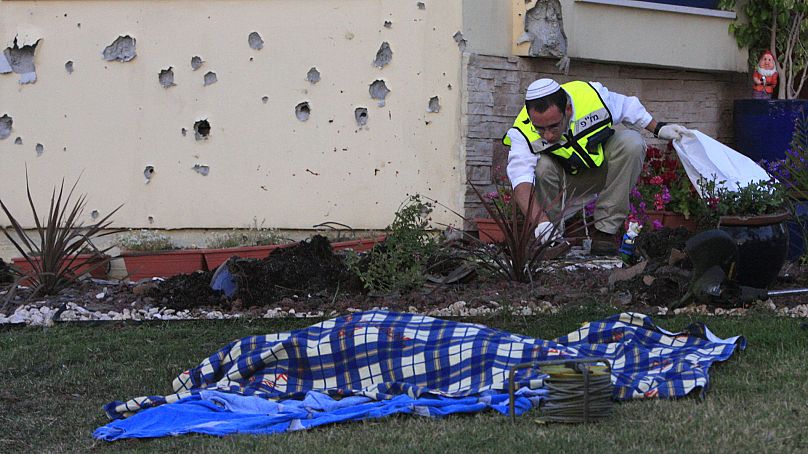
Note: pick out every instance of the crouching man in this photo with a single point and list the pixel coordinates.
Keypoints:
(563, 142)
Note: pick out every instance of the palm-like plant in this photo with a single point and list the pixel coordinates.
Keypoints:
(521, 253)
(61, 236)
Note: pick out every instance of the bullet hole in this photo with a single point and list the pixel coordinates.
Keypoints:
(94, 214)
(151, 219)
(196, 62)
(421, 5)
(449, 86)
(18, 141)
(313, 75)
(302, 111)
(349, 36)
(19, 60)
(361, 115)
(201, 169)
(184, 132)
(383, 56)
(39, 149)
(210, 78)
(461, 43)
(378, 90)
(122, 49)
(69, 66)
(201, 130)
(5, 126)
(255, 40)
(265, 99)
(388, 24)
(166, 77)
(434, 105)
(148, 172)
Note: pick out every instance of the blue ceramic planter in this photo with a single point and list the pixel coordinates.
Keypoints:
(764, 128)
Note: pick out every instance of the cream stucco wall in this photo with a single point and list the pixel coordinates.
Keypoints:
(644, 33)
(108, 120)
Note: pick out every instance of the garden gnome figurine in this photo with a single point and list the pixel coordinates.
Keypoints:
(765, 77)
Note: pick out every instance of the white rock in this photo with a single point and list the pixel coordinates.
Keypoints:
(68, 315)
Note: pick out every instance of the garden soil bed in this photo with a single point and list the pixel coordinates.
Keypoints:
(311, 279)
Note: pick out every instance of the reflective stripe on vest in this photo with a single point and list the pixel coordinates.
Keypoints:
(592, 117)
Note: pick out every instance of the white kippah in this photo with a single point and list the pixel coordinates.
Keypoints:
(541, 88)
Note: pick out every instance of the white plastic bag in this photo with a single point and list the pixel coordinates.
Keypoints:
(706, 159)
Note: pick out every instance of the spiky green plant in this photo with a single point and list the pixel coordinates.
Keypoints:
(61, 236)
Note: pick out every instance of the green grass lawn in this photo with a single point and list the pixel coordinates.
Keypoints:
(54, 382)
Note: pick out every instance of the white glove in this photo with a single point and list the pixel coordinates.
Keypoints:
(545, 232)
(672, 132)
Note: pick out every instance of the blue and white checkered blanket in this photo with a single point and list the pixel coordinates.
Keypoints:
(416, 362)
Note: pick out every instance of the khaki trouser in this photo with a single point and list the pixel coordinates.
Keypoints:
(624, 155)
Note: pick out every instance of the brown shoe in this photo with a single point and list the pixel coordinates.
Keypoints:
(604, 243)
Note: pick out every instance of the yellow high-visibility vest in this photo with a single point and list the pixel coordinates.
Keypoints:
(582, 144)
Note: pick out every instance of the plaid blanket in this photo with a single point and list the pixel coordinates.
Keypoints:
(381, 355)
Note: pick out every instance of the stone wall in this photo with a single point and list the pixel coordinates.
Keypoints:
(496, 87)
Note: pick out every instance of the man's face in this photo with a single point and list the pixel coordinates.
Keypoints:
(552, 123)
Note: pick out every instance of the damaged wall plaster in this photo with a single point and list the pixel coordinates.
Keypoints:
(461, 42)
(122, 49)
(108, 95)
(5, 126)
(378, 90)
(20, 60)
(202, 129)
(302, 111)
(434, 105)
(39, 149)
(18, 141)
(383, 56)
(210, 78)
(313, 75)
(69, 66)
(361, 115)
(255, 41)
(196, 62)
(166, 77)
(148, 173)
(544, 30)
(201, 169)
(421, 5)
(94, 214)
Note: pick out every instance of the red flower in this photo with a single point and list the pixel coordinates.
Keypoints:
(656, 180)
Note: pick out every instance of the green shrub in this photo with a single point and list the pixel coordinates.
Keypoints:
(401, 261)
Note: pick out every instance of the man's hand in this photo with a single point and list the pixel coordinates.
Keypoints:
(545, 232)
(672, 132)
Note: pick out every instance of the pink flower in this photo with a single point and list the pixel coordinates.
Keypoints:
(657, 224)
(657, 180)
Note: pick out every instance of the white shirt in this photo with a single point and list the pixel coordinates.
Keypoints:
(625, 109)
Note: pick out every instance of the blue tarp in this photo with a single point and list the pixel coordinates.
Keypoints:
(377, 363)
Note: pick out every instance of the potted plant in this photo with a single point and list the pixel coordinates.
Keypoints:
(147, 253)
(62, 249)
(255, 242)
(755, 217)
(500, 199)
(763, 127)
(664, 195)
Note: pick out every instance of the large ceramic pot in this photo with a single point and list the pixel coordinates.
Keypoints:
(762, 246)
(764, 127)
